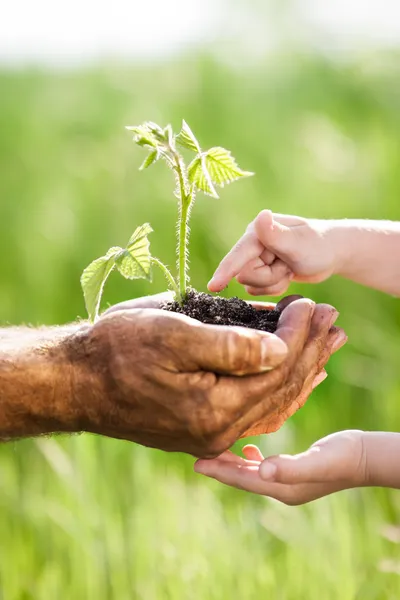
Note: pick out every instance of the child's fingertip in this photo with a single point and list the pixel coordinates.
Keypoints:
(213, 286)
(252, 452)
(200, 466)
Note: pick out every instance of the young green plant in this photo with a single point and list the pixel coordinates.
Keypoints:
(208, 169)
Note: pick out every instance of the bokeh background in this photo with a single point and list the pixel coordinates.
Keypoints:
(305, 94)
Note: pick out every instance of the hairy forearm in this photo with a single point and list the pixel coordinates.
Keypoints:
(368, 252)
(36, 378)
(382, 459)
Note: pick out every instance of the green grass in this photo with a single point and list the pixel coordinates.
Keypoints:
(85, 517)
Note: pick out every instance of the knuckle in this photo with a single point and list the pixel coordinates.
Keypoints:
(241, 278)
(207, 424)
(242, 350)
(245, 277)
(261, 215)
(256, 291)
(233, 357)
(278, 289)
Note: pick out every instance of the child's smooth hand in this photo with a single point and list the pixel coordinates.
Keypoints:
(334, 463)
(274, 250)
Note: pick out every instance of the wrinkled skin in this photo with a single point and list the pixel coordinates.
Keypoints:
(167, 381)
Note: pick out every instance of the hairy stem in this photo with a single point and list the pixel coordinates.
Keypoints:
(183, 242)
(183, 231)
(168, 277)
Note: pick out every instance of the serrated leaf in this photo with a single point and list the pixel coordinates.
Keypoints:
(199, 176)
(149, 160)
(222, 167)
(93, 279)
(187, 139)
(135, 261)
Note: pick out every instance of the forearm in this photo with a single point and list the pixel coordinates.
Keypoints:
(368, 252)
(36, 381)
(382, 459)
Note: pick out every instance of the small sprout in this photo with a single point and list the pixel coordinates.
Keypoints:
(133, 262)
(214, 167)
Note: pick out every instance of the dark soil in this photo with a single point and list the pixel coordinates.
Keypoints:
(225, 311)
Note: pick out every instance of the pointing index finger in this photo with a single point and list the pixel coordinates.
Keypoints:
(246, 249)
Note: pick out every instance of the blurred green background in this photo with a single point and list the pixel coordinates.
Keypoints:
(85, 517)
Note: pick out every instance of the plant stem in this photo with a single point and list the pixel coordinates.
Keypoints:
(183, 240)
(168, 277)
(184, 212)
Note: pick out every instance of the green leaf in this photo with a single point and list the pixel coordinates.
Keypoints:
(148, 134)
(152, 157)
(200, 177)
(169, 135)
(93, 279)
(222, 166)
(135, 261)
(187, 139)
(158, 132)
(142, 136)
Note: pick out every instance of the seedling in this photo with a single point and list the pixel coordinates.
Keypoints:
(214, 167)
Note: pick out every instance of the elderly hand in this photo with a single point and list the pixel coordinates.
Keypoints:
(167, 381)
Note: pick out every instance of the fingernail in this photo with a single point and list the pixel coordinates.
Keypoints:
(267, 470)
(319, 379)
(272, 348)
(334, 316)
(339, 342)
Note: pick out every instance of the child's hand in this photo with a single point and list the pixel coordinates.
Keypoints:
(274, 250)
(335, 463)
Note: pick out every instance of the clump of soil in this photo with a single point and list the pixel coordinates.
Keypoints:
(225, 311)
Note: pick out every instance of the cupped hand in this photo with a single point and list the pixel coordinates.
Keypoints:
(315, 358)
(164, 380)
(167, 381)
(334, 463)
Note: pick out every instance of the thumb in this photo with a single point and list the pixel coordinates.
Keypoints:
(308, 467)
(233, 350)
(275, 236)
